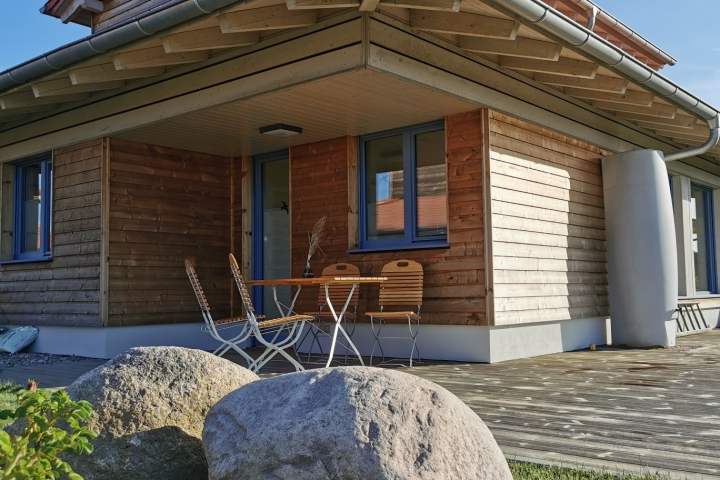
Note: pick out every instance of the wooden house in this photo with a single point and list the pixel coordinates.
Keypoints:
(468, 135)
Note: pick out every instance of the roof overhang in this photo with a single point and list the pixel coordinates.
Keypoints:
(513, 34)
(75, 11)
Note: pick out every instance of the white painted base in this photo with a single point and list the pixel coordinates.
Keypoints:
(436, 342)
(99, 342)
(480, 344)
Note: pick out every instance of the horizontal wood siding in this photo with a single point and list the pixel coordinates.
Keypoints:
(66, 290)
(116, 11)
(549, 252)
(454, 289)
(166, 205)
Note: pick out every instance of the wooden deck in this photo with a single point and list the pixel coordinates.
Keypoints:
(632, 410)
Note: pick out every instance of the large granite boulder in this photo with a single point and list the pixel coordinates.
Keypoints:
(149, 407)
(348, 423)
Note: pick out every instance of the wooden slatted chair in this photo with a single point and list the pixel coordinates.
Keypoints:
(292, 325)
(214, 327)
(338, 296)
(403, 288)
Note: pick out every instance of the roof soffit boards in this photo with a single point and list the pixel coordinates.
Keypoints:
(477, 26)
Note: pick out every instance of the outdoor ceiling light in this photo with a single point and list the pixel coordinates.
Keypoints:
(280, 130)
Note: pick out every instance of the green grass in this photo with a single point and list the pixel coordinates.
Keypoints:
(8, 397)
(532, 471)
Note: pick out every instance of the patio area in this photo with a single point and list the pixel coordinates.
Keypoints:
(630, 410)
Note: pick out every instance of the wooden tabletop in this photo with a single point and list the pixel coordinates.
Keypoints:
(316, 281)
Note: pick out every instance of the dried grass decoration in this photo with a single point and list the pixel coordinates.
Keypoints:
(314, 237)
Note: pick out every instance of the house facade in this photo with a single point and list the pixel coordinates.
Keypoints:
(470, 136)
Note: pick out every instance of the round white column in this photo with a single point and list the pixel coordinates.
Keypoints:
(642, 257)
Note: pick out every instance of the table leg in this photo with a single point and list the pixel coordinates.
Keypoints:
(280, 309)
(338, 326)
(280, 305)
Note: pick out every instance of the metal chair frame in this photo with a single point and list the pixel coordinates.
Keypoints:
(335, 293)
(292, 324)
(214, 327)
(404, 287)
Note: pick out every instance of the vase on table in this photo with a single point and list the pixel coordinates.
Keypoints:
(307, 273)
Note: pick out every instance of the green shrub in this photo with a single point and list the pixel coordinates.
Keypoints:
(8, 398)
(31, 451)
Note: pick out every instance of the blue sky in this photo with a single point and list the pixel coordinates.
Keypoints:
(686, 30)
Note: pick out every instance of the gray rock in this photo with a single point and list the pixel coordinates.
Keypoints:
(149, 406)
(348, 423)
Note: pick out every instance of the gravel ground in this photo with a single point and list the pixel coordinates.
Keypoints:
(27, 359)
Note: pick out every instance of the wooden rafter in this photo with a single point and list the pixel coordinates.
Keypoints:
(266, 18)
(155, 57)
(307, 4)
(207, 39)
(698, 130)
(657, 109)
(680, 120)
(563, 66)
(437, 5)
(64, 86)
(520, 47)
(463, 23)
(108, 73)
(601, 83)
(632, 97)
(368, 5)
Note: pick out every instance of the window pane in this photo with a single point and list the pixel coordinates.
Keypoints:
(276, 232)
(31, 198)
(699, 238)
(384, 188)
(431, 184)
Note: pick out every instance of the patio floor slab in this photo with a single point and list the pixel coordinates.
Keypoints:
(654, 410)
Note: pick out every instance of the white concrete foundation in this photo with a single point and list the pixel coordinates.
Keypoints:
(106, 342)
(481, 344)
(436, 342)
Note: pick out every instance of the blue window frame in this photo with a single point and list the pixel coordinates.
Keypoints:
(32, 208)
(703, 239)
(403, 189)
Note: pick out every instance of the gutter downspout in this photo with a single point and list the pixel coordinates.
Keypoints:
(624, 30)
(593, 18)
(714, 126)
(153, 21)
(612, 57)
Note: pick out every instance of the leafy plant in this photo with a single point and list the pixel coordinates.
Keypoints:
(31, 451)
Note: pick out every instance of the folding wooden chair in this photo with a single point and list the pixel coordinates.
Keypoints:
(213, 327)
(403, 288)
(338, 296)
(292, 325)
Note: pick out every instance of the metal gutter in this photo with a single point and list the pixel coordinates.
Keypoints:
(153, 21)
(605, 53)
(624, 30)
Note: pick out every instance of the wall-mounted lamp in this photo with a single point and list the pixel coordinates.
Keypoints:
(280, 130)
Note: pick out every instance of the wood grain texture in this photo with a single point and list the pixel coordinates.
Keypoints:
(454, 281)
(65, 291)
(167, 205)
(548, 237)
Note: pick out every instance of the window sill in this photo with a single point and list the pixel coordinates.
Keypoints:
(700, 296)
(429, 246)
(27, 260)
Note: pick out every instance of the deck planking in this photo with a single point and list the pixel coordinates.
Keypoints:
(615, 409)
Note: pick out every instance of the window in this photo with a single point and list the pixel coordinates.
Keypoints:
(31, 225)
(703, 244)
(403, 188)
